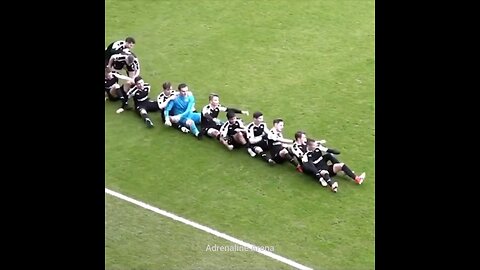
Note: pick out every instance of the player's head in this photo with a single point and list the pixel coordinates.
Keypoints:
(300, 137)
(231, 117)
(278, 124)
(130, 59)
(167, 88)
(311, 144)
(129, 42)
(257, 118)
(183, 89)
(139, 82)
(214, 99)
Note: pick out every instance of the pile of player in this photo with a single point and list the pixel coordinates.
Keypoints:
(177, 110)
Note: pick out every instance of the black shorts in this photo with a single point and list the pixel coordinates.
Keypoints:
(149, 106)
(231, 141)
(262, 144)
(322, 165)
(275, 154)
(208, 126)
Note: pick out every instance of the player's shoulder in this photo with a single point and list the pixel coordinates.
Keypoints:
(250, 125)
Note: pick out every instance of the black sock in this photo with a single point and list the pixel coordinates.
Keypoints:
(123, 96)
(327, 179)
(348, 171)
(264, 156)
(291, 159)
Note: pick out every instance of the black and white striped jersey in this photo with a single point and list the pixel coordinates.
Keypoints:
(115, 47)
(120, 62)
(273, 140)
(228, 129)
(255, 133)
(298, 150)
(213, 112)
(314, 156)
(139, 95)
(162, 98)
(209, 112)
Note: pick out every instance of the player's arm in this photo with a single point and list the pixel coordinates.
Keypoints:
(224, 109)
(123, 77)
(241, 127)
(328, 150)
(166, 112)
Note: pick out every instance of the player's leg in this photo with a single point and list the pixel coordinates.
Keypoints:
(310, 169)
(240, 139)
(284, 154)
(343, 167)
(189, 123)
(143, 111)
(263, 154)
(226, 141)
(323, 168)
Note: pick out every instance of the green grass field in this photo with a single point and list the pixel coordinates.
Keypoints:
(309, 62)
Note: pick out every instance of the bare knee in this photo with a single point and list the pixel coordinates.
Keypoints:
(338, 167)
(189, 122)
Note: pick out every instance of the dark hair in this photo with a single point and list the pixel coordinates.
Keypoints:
(182, 85)
(278, 120)
(299, 134)
(166, 85)
(257, 114)
(230, 115)
(210, 97)
(130, 58)
(309, 140)
(130, 40)
(138, 78)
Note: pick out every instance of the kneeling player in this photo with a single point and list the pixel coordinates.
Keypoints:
(232, 132)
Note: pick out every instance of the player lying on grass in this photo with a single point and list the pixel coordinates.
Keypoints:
(299, 147)
(314, 163)
(182, 107)
(118, 47)
(232, 132)
(257, 137)
(210, 122)
(277, 145)
(113, 90)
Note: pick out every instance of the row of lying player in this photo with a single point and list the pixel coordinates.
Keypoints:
(177, 109)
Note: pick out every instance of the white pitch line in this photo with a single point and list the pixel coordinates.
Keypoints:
(209, 230)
